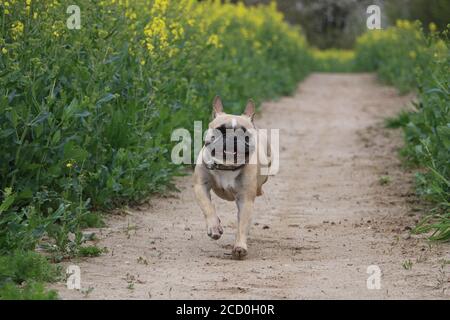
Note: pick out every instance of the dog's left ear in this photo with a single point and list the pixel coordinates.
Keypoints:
(217, 106)
(250, 109)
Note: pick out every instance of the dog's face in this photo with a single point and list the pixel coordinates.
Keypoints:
(230, 138)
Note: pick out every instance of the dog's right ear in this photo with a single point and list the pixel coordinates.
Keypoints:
(217, 106)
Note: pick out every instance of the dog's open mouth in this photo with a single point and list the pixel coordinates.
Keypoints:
(228, 149)
(226, 160)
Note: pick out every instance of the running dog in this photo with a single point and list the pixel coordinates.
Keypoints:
(230, 164)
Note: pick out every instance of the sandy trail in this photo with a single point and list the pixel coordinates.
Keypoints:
(322, 221)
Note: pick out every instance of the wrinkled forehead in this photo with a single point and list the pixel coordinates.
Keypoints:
(231, 122)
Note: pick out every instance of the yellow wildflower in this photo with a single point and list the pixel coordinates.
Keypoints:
(160, 6)
(190, 22)
(213, 40)
(156, 29)
(150, 48)
(17, 29)
(177, 30)
(432, 26)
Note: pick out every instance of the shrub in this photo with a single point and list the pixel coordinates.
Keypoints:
(86, 115)
(396, 53)
(22, 275)
(405, 57)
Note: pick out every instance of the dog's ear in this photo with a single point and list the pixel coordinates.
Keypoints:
(217, 106)
(250, 109)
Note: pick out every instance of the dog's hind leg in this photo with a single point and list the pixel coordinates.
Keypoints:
(245, 207)
(203, 194)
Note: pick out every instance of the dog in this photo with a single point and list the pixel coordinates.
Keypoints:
(230, 164)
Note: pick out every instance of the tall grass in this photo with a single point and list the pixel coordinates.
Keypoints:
(86, 115)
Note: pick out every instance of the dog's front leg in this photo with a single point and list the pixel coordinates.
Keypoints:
(245, 211)
(203, 194)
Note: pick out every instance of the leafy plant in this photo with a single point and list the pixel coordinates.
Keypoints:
(86, 116)
(89, 251)
(22, 275)
(404, 56)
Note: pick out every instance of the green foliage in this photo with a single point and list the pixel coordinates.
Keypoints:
(22, 274)
(396, 54)
(401, 120)
(86, 115)
(89, 251)
(92, 220)
(30, 291)
(427, 136)
(438, 224)
(428, 133)
(406, 58)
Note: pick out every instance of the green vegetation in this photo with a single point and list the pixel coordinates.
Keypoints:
(405, 57)
(334, 60)
(407, 264)
(90, 251)
(22, 275)
(384, 180)
(86, 115)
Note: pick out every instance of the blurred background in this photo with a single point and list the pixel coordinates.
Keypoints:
(337, 23)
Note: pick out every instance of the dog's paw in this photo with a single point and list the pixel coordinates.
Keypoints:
(239, 252)
(215, 230)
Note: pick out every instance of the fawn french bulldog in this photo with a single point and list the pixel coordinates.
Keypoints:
(230, 164)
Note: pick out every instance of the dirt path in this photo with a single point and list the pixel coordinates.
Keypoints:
(322, 221)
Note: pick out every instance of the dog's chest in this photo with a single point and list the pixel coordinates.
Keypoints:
(226, 180)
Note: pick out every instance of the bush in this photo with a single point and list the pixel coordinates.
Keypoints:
(86, 115)
(406, 58)
(396, 53)
(22, 275)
